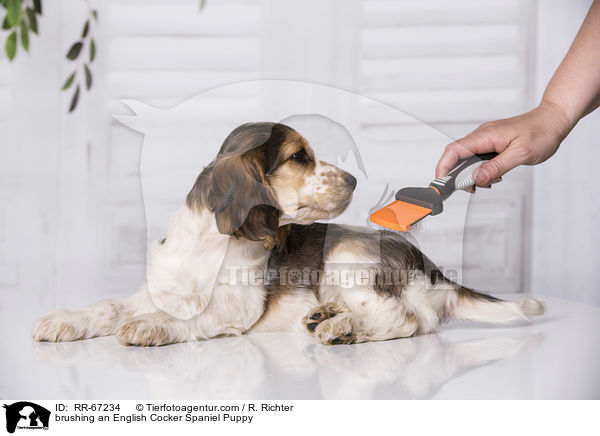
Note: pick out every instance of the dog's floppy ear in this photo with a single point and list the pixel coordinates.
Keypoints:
(242, 200)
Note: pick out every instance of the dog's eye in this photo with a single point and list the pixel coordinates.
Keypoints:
(300, 156)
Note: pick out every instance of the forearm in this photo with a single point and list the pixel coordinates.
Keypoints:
(575, 86)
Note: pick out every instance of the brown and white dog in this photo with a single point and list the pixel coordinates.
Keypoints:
(244, 254)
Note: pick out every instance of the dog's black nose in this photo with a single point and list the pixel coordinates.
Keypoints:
(351, 180)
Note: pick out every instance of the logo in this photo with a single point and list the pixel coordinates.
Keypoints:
(26, 415)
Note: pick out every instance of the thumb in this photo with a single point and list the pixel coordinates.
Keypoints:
(497, 167)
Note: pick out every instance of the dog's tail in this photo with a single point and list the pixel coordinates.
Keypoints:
(476, 306)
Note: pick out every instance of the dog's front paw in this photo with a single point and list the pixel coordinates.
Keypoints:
(145, 331)
(341, 329)
(59, 326)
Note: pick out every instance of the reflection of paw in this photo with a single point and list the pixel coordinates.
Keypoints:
(341, 329)
(145, 331)
(322, 313)
(59, 326)
(180, 306)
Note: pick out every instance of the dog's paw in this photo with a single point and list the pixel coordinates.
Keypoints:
(322, 313)
(59, 326)
(341, 329)
(144, 331)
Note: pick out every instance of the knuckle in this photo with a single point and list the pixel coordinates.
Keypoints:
(491, 131)
(494, 169)
(450, 148)
(486, 127)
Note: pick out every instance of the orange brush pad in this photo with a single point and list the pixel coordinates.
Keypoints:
(399, 215)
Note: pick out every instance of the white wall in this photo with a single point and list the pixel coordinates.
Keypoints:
(70, 191)
(566, 207)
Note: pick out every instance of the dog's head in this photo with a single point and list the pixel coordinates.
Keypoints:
(265, 176)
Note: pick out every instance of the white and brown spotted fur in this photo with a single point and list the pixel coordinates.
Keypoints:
(253, 210)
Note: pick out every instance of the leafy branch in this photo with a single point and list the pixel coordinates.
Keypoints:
(20, 19)
(83, 62)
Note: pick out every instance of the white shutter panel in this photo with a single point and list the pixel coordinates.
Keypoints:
(451, 62)
(452, 65)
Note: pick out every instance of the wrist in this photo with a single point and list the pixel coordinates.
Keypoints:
(561, 120)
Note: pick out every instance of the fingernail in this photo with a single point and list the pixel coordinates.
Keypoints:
(479, 176)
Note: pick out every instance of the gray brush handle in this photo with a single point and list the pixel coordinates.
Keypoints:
(461, 176)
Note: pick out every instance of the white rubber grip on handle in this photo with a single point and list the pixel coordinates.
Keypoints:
(464, 179)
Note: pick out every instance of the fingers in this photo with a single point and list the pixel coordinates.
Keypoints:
(497, 167)
(486, 138)
(474, 143)
(453, 153)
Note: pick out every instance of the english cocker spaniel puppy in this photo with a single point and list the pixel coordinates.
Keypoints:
(245, 254)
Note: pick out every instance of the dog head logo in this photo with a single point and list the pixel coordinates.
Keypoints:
(26, 415)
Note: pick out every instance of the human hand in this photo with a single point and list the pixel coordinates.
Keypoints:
(527, 139)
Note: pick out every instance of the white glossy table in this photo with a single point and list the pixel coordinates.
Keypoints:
(556, 356)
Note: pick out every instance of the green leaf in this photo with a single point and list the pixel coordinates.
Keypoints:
(201, 5)
(6, 23)
(32, 20)
(86, 29)
(69, 81)
(74, 50)
(74, 100)
(37, 4)
(11, 46)
(15, 12)
(88, 77)
(95, 14)
(92, 50)
(24, 36)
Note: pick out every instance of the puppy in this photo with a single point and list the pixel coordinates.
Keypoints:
(245, 254)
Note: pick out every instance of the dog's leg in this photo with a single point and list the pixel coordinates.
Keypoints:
(98, 319)
(229, 313)
(334, 323)
(134, 323)
(353, 328)
(160, 328)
